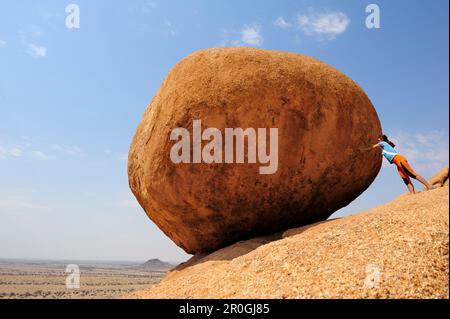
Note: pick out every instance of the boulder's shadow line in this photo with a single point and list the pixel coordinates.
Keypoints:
(244, 247)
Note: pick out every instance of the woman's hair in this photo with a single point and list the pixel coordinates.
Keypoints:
(384, 138)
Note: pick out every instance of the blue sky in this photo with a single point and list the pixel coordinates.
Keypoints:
(70, 100)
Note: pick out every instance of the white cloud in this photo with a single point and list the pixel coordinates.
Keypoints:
(148, 6)
(248, 35)
(23, 149)
(251, 35)
(6, 153)
(169, 28)
(30, 38)
(71, 150)
(427, 152)
(15, 151)
(42, 156)
(167, 23)
(281, 23)
(36, 51)
(226, 36)
(324, 26)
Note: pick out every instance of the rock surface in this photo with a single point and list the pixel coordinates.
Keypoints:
(397, 250)
(441, 178)
(323, 119)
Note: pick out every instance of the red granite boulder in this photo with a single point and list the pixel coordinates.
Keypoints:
(322, 119)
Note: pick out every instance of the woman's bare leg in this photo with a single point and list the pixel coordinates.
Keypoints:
(424, 182)
(411, 188)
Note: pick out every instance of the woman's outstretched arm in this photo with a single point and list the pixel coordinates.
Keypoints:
(369, 148)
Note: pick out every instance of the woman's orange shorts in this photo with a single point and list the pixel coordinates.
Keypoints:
(404, 169)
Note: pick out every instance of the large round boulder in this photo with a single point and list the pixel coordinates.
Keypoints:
(202, 200)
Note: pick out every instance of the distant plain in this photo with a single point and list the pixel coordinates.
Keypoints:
(25, 279)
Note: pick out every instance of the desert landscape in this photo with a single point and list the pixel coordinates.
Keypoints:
(25, 279)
